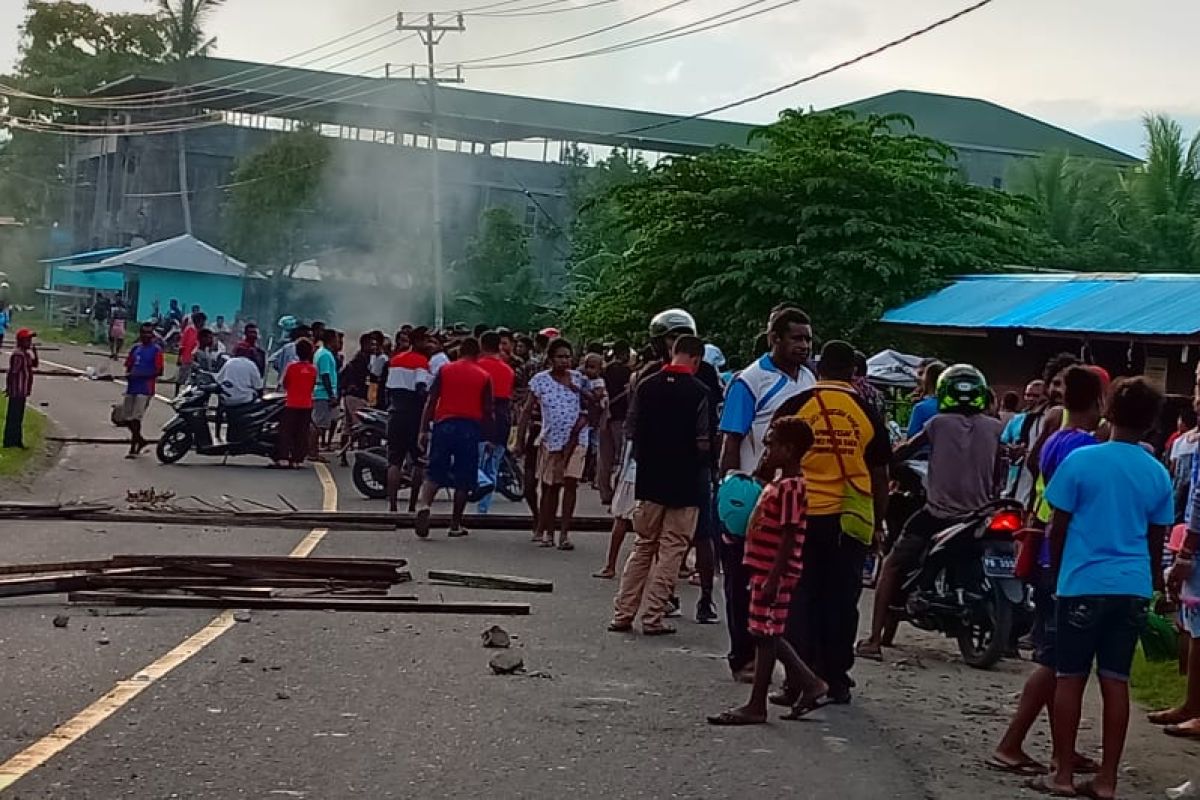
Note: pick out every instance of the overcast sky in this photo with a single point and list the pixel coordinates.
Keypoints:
(1092, 66)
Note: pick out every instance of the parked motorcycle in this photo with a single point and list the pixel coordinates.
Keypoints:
(250, 430)
(965, 585)
(369, 471)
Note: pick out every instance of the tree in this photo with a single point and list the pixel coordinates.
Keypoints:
(1074, 205)
(1161, 199)
(497, 282)
(66, 49)
(273, 216)
(842, 216)
(183, 24)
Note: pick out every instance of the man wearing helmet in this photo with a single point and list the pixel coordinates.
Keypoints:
(963, 444)
(665, 329)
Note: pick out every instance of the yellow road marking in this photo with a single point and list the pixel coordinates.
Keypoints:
(120, 695)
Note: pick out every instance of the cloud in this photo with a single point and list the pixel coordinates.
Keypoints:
(668, 78)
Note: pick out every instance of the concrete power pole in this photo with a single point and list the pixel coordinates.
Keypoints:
(431, 34)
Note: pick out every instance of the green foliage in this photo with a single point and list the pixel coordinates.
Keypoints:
(495, 279)
(183, 25)
(67, 49)
(15, 463)
(273, 208)
(838, 215)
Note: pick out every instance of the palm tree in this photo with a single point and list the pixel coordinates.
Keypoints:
(183, 26)
(1162, 197)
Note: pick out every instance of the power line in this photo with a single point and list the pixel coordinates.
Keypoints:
(678, 32)
(529, 11)
(812, 76)
(578, 37)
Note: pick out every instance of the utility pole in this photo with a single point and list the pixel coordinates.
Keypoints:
(431, 33)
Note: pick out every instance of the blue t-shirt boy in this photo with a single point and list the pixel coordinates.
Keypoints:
(1114, 493)
(326, 364)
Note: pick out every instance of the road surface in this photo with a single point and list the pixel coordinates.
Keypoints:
(335, 705)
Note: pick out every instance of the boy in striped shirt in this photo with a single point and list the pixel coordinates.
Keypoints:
(774, 549)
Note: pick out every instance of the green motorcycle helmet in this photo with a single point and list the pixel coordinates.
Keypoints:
(962, 388)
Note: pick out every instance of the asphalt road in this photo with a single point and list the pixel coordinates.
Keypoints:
(332, 705)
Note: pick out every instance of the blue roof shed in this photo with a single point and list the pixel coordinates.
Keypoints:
(1126, 305)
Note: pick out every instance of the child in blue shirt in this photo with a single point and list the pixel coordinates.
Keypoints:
(1112, 506)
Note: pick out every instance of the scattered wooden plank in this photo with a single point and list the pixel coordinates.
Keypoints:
(50, 373)
(479, 580)
(369, 604)
(94, 440)
(25, 587)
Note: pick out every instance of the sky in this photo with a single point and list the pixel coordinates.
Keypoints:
(1092, 66)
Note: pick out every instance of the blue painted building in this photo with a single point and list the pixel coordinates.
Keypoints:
(184, 269)
(1010, 324)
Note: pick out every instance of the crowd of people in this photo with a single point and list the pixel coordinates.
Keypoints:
(775, 476)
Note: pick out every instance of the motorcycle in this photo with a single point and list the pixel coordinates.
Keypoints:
(965, 586)
(252, 429)
(369, 471)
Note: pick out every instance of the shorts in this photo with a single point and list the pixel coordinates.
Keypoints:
(1100, 629)
(403, 437)
(769, 618)
(1189, 615)
(553, 469)
(624, 500)
(135, 407)
(706, 525)
(454, 454)
(913, 541)
(1045, 624)
(323, 413)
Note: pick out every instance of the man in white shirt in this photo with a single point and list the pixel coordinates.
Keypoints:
(240, 381)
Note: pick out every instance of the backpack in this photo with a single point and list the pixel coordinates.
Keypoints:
(736, 497)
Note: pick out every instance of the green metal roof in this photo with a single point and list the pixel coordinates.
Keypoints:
(402, 103)
(967, 122)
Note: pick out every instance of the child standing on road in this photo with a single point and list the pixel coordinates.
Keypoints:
(1112, 504)
(774, 559)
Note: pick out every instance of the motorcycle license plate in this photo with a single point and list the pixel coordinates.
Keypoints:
(999, 566)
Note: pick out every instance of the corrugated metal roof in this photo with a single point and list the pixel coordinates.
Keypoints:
(1133, 304)
(90, 257)
(183, 253)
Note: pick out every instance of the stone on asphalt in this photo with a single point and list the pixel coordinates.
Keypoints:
(241, 615)
(61, 620)
(246, 660)
(496, 636)
(506, 663)
(103, 640)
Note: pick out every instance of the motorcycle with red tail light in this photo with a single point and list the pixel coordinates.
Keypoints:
(966, 588)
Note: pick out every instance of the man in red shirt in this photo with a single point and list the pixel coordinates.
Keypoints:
(189, 340)
(459, 406)
(18, 386)
(406, 380)
(495, 435)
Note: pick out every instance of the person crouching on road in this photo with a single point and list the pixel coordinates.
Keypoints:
(671, 445)
(295, 423)
(774, 560)
(18, 386)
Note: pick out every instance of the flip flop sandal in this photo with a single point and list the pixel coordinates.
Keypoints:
(1086, 766)
(784, 697)
(862, 650)
(665, 630)
(421, 523)
(1040, 786)
(802, 710)
(457, 533)
(1167, 716)
(566, 546)
(620, 627)
(1180, 732)
(606, 574)
(545, 543)
(730, 719)
(1027, 769)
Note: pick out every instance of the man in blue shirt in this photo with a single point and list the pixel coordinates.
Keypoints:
(927, 406)
(325, 393)
(1112, 505)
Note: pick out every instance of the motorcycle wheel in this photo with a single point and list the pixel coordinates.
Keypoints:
(511, 480)
(371, 483)
(173, 446)
(984, 640)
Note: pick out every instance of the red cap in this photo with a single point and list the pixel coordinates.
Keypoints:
(25, 333)
(549, 332)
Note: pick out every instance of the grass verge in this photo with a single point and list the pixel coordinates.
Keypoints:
(1156, 684)
(14, 462)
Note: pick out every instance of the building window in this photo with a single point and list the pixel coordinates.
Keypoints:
(997, 183)
(531, 213)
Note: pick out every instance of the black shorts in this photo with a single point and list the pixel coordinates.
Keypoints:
(1045, 621)
(1099, 629)
(913, 541)
(403, 435)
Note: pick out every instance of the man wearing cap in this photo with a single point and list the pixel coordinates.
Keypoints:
(18, 387)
